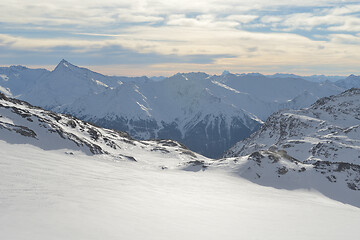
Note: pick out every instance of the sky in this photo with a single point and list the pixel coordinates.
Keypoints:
(163, 37)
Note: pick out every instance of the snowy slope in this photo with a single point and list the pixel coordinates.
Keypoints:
(49, 195)
(322, 141)
(21, 123)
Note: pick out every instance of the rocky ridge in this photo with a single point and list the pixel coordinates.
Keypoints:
(304, 148)
(21, 123)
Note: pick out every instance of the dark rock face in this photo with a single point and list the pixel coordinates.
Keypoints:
(210, 137)
(170, 131)
(139, 129)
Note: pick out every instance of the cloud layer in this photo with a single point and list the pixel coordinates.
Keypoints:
(162, 36)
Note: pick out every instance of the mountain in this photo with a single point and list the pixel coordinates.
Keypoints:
(179, 108)
(351, 81)
(63, 178)
(207, 113)
(16, 80)
(312, 78)
(21, 123)
(304, 148)
(67, 82)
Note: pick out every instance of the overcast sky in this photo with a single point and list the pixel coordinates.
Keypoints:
(162, 37)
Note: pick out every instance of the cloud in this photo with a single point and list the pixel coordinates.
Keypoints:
(271, 19)
(229, 33)
(344, 18)
(242, 18)
(344, 39)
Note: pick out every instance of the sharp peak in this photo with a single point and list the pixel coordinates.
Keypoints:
(63, 61)
(65, 64)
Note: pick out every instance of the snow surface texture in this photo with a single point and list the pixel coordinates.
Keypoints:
(206, 113)
(62, 178)
(322, 141)
(52, 195)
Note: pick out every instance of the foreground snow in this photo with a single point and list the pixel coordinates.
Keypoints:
(54, 195)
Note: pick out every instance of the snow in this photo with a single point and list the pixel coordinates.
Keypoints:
(71, 88)
(53, 185)
(328, 128)
(316, 147)
(53, 195)
(5, 91)
(100, 83)
(175, 106)
(224, 86)
(4, 77)
(5, 120)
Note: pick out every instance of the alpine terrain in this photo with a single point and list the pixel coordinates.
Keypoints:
(21, 123)
(207, 113)
(63, 178)
(305, 148)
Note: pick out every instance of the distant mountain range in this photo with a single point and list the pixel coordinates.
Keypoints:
(207, 113)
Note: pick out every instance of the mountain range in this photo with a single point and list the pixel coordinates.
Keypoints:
(207, 113)
(61, 177)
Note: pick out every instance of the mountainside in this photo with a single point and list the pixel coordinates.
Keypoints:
(322, 140)
(56, 171)
(176, 108)
(16, 80)
(312, 78)
(21, 123)
(351, 81)
(207, 113)
(67, 83)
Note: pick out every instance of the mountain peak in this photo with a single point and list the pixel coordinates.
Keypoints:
(225, 72)
(352, 76)
(63, 64)
(63, 61)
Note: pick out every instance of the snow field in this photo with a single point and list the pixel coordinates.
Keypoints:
(53, 195)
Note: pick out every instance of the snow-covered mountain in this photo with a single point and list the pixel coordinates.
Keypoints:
(351, 81)
(180, 108)
(67, 83)
(304, 148)
(21, 123)
(312, 78)
(63, 178)
(207, 113)
(16, 80)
